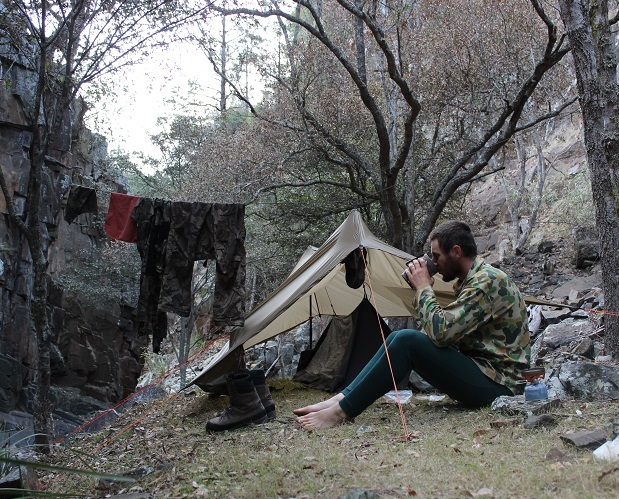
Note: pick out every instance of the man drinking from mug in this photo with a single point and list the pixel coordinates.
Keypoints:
(474, 349)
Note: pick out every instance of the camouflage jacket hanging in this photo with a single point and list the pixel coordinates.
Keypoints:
(171, 236)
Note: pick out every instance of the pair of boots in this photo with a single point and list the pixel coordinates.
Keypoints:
(250, 401)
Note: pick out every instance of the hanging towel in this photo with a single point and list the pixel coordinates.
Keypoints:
(118, 223)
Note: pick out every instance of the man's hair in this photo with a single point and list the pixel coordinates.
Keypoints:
(452, 233)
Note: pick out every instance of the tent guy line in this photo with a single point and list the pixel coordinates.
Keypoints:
(407, 435)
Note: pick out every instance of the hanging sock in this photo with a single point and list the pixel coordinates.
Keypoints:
(355, 267)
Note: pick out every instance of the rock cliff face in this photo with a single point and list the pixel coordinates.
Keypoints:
(566, 201)
(95, 350)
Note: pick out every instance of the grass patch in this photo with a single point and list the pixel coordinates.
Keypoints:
(454, 452)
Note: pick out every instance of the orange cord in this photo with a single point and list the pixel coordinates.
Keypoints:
(603, 312)
(144, 388)
(407, 436)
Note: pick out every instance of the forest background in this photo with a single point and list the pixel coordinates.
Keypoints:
(397, 109)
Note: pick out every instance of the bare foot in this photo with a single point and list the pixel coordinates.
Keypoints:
(325, 418)
(319, 406)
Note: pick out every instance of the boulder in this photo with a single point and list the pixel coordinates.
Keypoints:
(565, 332)
(589, 381)
(12, 374)
(19, 478)
(582, 285)
(587, 439)
(517, 405)
(586, 247)
(540, 421)
(546, 246)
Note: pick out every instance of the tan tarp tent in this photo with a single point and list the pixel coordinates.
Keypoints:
(320, 275)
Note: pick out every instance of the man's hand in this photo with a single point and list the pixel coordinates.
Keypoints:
(418, 275)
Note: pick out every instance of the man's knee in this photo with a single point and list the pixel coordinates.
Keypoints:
(408, 338)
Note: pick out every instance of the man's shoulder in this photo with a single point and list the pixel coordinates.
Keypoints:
(493, 272)
(489, 276)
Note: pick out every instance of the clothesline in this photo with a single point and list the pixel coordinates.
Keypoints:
(171, 236)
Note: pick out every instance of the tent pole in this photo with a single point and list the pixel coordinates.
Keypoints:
(310, 321)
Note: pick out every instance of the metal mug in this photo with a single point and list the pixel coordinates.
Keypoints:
(432, 268)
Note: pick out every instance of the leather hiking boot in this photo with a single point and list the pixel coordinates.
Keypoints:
(260, 382)
(245, 407)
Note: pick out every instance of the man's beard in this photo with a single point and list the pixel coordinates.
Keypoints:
(448, 278)
(449, 272)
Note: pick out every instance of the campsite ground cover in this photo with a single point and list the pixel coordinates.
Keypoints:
(453, 452)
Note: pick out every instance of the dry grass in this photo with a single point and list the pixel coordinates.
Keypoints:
(453, 453)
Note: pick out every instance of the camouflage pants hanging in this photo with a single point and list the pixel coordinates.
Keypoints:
(171, 236)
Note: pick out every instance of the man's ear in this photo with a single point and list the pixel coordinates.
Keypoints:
(456, 251)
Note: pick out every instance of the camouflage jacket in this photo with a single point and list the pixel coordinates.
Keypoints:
(487, 322)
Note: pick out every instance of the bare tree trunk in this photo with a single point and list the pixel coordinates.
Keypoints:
(514, 202)
(38, 311)
(523, 226)
(42, 371)
(540, 172)
(360, 46)
(589, 32)
(223, 57)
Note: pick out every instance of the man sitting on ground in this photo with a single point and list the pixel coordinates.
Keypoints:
(474, 349)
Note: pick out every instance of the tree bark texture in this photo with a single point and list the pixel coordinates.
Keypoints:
(38, 310)
(595, 61)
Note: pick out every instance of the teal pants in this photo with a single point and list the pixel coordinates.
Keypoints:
(446, 369)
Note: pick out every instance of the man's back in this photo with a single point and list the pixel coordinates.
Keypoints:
(487, 322)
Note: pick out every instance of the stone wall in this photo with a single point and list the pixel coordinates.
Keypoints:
(95, 348)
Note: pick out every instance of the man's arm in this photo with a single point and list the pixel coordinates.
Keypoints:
(445, 326)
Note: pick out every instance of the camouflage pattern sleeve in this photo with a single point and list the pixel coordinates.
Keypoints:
(448, 325)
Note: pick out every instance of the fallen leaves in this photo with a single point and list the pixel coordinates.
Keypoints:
(504, 423)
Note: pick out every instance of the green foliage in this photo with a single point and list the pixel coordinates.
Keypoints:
(5, 451)
(104, 275)
(569, 204)
(141, 183)
(156, 364)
